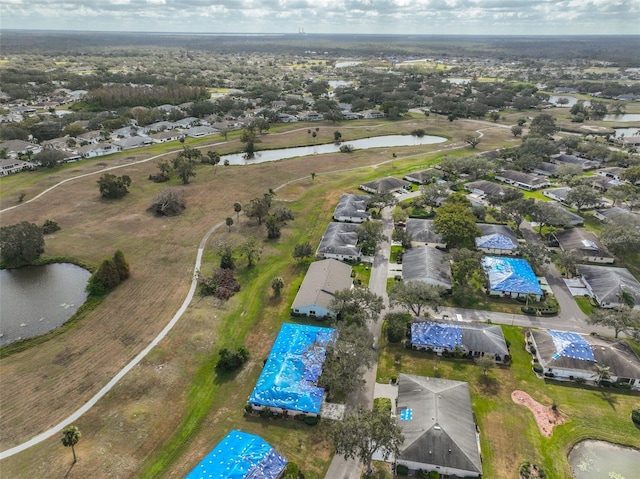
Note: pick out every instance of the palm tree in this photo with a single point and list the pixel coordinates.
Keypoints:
(237, 207)
(604, 373)
(229, 222)
(70, 437)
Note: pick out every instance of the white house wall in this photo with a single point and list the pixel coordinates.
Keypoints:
(450, 471)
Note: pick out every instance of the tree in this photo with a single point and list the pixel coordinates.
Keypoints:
(472, 141)
(70, 437)
(222, 284)
(229, 222)
(621, 236)
(632, 174)
(232, 359)
(277, 284)
(538, 148)
(21, 244)
(414, 296)
(273, 227)
(49, 157)
(370, 233)
(112, 186)
(543, 125)
(357, 305)
(494, 116)
(516, 130)
(620, 319)
(337, 136)
(50, 226)
(213, 158)
(465, 265)
(185, 168)
(251, 250)
(567, 260)
(348, 356)
(225, 251)
(169, 202)
(486, 363)
(313, 176)
(402, 236)
(122, 265)
(456, 223)
(364, 432)
(396, 325)
(583, 196)
(237, 207)
(545, 213)
(603, 372)
(258, 208)
(302, 250)
(536, 255)
(249, 139)
(433, 194)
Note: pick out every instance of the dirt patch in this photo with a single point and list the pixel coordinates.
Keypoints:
(546, 416)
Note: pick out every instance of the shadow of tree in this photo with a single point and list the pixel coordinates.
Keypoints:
(609, 398)
(489, 384)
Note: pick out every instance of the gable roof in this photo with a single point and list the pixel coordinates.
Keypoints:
(424, 176)
(384, 185)
(606, 282)
(512, 275)
(496, 236)
(487, 187)
(523, 178)
(582, 242)
(341, 239)
(427, 264)
(322, 280)
(422, 231)
(352, 206)
(487, 338)
(440, 429)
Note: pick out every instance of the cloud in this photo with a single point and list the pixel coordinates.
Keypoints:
(330, 16)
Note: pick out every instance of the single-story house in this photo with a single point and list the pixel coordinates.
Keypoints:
(101, 149)
(166, 136)
(352, 209)
(190, 121)
(437, 422)
(603, 183)
(473, 339)
(511, 277)
(423, 233)
(286, 118)
(310, 116)
(583, 243)
(288, 382)
(384, 185)
(240, 456)
(524, 181)
(558, 194)
(425, 176)
(496, 239)
(612, 172)
(14, 148)
(611, 214)
(124, 132)
(200, 131)
(371, 114)
(566, 356)
(340, 241)
(566, 217)
(159, 126)
(583, 163)
(427, 264)
(9, 166)
(133, 142)
(546, 169)
(630, 140)
(485, 188)
(604, 284)
(91, 137)
(318, 287)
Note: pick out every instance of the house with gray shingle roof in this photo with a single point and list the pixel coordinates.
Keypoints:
(318, 287)
(584, 243)
(384, 185)
(352, 209)
(605, 283)
(484, 187)
(425, 176)
(496, 239)
(423, 233)
(340, 241)
(427, 264)
(440, 433)
(524, 181)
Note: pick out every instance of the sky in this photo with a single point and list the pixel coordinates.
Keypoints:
(472, 17)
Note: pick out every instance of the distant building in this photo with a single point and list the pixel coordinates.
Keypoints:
(385, 185)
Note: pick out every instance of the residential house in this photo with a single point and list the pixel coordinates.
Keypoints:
(318, 287)
(566, 217)
(124, 132)
(611, 214)
(583, 243)
(133, 142)
(524, 181)
(340, 241)
(574, 160)
(605, 283)
(546, 169)
(568, 356)
(385, 185)
(511, 277)
(471, 339)
(200, 131)
(371, 114)
(14, 148)
(91, 137)
(310, 116)
(423, 233)
(9, 166)
(427, 264)
(288, 382)
(484, 188)
(352, 209)
(101, 149)
(496, 239)
(190, 121)
(240, 456)
(286, 118)
(166, 136)
(159, 126)
(425, 176)
(437, 422)
(558, 194)
(612, 172)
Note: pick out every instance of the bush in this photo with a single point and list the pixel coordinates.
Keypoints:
(231, 359)
(292, 471)
(346, 148)
(311, 420)
(50, 226)
(222, 284)
(169, 202)
(382, 404)
(537, 368)
(402, 470)
(635, 417)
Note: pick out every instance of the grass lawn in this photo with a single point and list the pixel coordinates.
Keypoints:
(362, 273)
(585, 304)
(509, 435)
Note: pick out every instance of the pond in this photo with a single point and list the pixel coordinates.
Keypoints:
(387, 141)
(458, 81)
(339, 83)
(627, 132)
(603, 460)
(38, 299)
(623, 118)
(571, 100)
(346, 64)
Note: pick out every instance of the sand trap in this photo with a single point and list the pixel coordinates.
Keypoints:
(545, 416)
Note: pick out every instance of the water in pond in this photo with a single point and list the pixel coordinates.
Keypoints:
(627, 132)
(37, 299)
(374, 142)
(346, 64)
(623, 118)
(458, 81)
(339, 83)
(603, 460)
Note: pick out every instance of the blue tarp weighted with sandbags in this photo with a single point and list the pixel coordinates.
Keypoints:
(511, 275)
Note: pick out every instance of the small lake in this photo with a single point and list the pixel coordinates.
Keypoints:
(346, 64)
(458, 81)
(38, 299)
(339, 83)
(387, 141)
(623, 118)
(603, 460)
(572, 100)
(627, 132)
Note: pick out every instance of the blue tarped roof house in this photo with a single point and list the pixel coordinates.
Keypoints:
(495, 241)
(436, 335)
(289, 377)
(571, 345)
(511, 275)
(240, 456)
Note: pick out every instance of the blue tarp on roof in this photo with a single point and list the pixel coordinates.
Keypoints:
(240, 456)
(495, 241)
(436, 335)
(289, 377)
(513, 275)
(571, 345)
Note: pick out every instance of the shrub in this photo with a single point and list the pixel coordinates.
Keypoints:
(402, 470)
(292, 471)
(169, 202)
(311, 420)
(635, 417)
(532, 350)
(346, 148)
(382, 404)
(222, 284)
(580, 380)
(231, 359)
(50, 226)
(537, 368)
